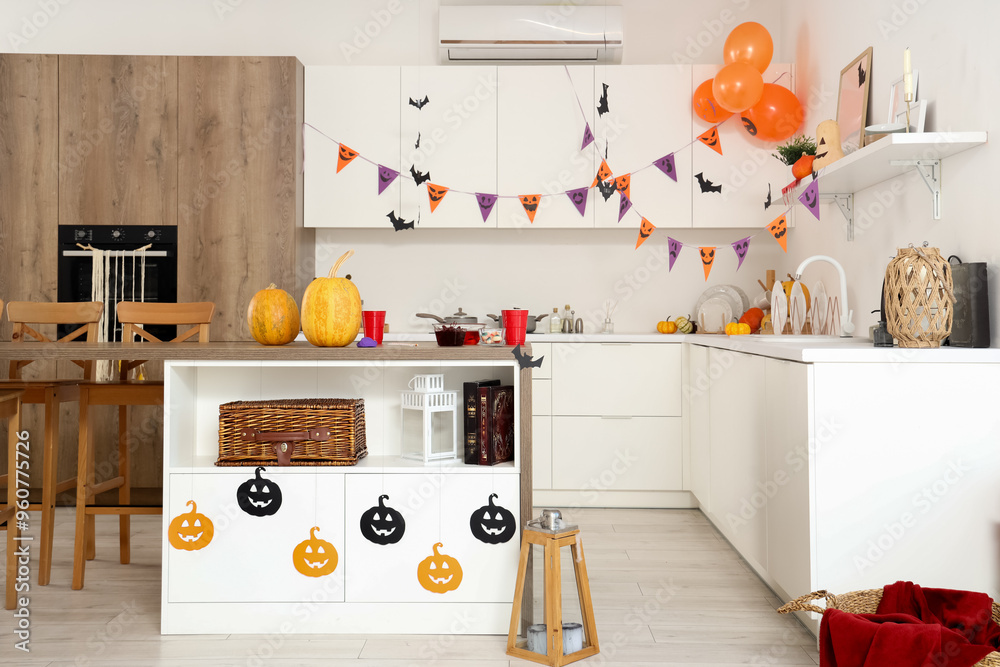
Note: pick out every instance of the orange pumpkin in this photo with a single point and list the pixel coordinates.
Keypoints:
(752, 318)
(273, 316)
(666, 327)
(314, 557)
(331, 309)
(803, 166)
(439, 573)
(190, 531)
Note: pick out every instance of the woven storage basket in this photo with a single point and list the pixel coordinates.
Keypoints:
(345, 418)
(866, 602)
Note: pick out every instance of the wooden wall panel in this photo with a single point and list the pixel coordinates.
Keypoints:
(118, 140)
(239, 185)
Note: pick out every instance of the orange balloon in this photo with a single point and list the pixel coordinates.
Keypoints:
(749, 43)
(737, 87)
(776, 117)
(705, 105)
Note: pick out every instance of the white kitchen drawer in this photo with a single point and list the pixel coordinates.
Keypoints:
(542, 350)
(594, 454)
(541, 452)
(541, 397)
(620, 379)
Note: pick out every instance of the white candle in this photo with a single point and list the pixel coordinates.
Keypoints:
(907, 76)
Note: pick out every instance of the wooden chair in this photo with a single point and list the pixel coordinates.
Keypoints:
(10, 409)
(123, 393)
(50, 393)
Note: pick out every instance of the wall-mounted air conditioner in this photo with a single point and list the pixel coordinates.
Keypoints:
(530, 34)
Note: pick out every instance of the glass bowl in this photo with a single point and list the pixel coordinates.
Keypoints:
(455, 335)
(492, 336)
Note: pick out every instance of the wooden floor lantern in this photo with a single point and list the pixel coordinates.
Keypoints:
(919, 302)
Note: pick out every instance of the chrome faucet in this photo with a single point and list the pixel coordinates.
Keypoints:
(846, 326)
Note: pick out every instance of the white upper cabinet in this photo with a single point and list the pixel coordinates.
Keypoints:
(746, 171)
(457, 127)
(539, 133)
(648, 117)
(358, 106)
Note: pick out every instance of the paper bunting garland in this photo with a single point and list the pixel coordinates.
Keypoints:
(741, 247)
(810, 198)
(588, 137)
(435, 193)
(645, 229)
(707, 254)
(603, 174)
(674, 249)
(623, 183)
(344, 157)
(530, 204)
(579, 199)
(667, 166)
(710, 138)
(779, 229)
(624, 204)
(385, 177)
(486, 203)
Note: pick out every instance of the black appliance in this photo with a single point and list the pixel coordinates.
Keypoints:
(125, 278)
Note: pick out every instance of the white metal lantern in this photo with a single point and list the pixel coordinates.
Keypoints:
(429, 419)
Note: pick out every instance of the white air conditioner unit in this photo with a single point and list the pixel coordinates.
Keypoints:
(530, 34)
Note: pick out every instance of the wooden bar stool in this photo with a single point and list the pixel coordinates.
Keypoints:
(10, 409)
(123, 393)
(552, 541)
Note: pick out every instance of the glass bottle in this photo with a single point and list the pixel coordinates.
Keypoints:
(555, 322)
(567, 320)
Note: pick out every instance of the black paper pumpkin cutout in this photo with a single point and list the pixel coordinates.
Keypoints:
(749, 125)
(258, 496)
(492, 524)
(381, 524)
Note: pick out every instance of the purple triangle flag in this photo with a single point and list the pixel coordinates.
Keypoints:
(810, 198)
(385, 177)
(624, 204)
(667, 166)
(741, 248)
(674, 248)
(486, 203)
(579, 199)
(588, 137)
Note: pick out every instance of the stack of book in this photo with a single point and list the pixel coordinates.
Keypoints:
(489, 422)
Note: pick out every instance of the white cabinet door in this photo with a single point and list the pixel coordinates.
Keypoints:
(787, 459)
(596, 454)
(540, 131)
(358, 106)
(745, 170)
(649, 116)
(617, 379)
(699, 416)
(249, 558)
(436, 508)
(457, 128)
(543, 350)
(739, 499)
(541, 452)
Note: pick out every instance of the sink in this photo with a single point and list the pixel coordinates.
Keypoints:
(814, 340)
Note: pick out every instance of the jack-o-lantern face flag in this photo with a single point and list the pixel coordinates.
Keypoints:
(435, 193)
(530, 204)
(779, 230)
(603, 174)
(579, 199)
(645, 229)
(486, 202)
(710, 138)
(344, 157)
(707, 259)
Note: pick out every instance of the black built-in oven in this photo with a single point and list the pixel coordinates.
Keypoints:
(150, 275)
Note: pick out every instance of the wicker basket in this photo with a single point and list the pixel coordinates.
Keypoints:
(866, 602)
(345, 419)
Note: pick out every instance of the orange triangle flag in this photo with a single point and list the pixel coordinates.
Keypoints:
(779, 230)
(435, 193)
(602, 174)
(530, 204)
(645, 229)
(707, 255)
(710, 138)
(623, 183)
(344, 157)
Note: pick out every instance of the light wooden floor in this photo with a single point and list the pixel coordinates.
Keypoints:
(668, 590)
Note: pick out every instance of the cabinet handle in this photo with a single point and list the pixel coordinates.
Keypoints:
(616, 416)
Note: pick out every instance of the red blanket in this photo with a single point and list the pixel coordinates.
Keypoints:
(916, 627)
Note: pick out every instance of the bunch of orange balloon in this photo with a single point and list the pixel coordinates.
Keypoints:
(769, 111)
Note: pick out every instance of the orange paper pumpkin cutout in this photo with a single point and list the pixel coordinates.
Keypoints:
(436, 193)
(344, 157)
(314, 557)
(190, 531)
(623, 183)
(530, 204)
(439, 573)
(710, 138)
(603, 174)
(779, 230)
(645, 229)
(707, 259)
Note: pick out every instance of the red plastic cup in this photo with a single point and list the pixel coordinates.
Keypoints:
(515, 323)
(374, 322)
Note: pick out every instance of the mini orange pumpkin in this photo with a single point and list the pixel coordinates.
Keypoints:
(439, 573)
(752, 318)
(314, 557)
(273, 316)
(666, 326)
(190, 531)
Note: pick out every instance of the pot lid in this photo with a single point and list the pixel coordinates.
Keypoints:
(461, 317)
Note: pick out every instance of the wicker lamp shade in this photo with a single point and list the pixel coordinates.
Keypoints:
(919, 303)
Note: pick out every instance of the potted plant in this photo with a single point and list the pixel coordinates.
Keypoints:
(799, 154)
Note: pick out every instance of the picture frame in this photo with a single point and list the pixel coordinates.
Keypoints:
(896, 100)
(918, 116)
(852, 101)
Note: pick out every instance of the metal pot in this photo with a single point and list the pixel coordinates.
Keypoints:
(532, 320)
(461, 317)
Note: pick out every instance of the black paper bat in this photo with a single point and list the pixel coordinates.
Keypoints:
(607, 188)
(602, 107)
(398, 223)
(767, 202)
(417, 143)
(419, 177)
(706, 185)
(861, 75)
(421, 103)
(524, 360)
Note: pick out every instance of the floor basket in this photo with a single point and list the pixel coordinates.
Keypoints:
(866, 602)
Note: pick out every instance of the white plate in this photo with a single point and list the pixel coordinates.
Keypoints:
(797, 308)
(743, 297)
(779, 310)
(714, 314)
(725, 292)
(885, 128)
(817, 314)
